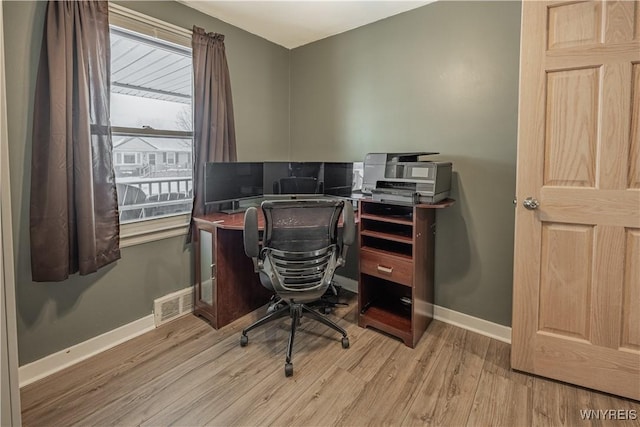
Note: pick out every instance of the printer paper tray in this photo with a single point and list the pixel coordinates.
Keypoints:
(407, 197)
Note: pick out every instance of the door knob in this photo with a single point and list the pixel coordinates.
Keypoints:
(531, 203)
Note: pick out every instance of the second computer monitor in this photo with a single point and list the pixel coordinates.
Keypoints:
(293, 178)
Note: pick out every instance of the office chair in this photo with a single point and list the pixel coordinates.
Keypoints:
(300, 252)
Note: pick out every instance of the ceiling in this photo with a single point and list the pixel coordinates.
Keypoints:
(296, 23)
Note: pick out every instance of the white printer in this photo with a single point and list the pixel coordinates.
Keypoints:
(406, 178)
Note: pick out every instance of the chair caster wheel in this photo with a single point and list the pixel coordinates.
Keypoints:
(326, 310)
(345, 342)
(288, 369)
(244, 340)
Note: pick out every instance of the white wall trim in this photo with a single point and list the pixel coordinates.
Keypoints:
(55, 362)
(346, 283)
(10, 404)
(473, 324)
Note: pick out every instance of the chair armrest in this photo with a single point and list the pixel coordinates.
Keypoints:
(348, 230)
(250, 233)
(349, 224)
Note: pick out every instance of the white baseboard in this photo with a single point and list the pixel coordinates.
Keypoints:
(55, 362)
(346, 283)
(473, 324)
(48, 365)
(461, 320)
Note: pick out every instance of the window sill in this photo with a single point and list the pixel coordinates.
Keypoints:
(139, 232)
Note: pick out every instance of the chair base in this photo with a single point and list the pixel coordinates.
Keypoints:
(295, 311)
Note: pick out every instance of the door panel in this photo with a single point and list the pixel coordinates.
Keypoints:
(607, 282)
(634, 154)
(631, 315)
(576, 280)
(574, 24)
(621, 21)
(565, 279)
(637, 19)
(572, 128)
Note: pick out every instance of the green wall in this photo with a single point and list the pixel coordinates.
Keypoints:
(442, 78)
(54, 316)
(439, 78)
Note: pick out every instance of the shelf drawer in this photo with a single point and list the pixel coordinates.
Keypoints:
(395, 269)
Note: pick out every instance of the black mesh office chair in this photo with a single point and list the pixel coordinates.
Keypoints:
(300, 253)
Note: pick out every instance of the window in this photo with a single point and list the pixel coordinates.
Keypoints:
(151, 119)
(128, 158)
(171, 158)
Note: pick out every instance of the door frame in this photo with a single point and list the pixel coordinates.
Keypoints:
(10, 413)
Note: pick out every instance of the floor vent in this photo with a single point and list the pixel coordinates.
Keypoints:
(172, 306)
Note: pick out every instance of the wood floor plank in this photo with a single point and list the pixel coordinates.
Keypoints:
(311, 345)
(369, 356)
(447, 392)
(215, 391)
(504, 397)
(144, 401)
(104, 386)
(262, 404)
(498, 362)
(326, 401)
(391, 390)
(187, 373)
(627, 410)
(105, 381)
(76, 380)
(556, 403)
(500, 402)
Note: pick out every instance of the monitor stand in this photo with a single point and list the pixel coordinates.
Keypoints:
(239, 206)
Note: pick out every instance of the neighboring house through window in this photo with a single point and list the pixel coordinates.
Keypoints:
(151, 118)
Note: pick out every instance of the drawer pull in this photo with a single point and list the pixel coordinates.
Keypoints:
(387, 270)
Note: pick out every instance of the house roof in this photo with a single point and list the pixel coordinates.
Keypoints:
(137, 143)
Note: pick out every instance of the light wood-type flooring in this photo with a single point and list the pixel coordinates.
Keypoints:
(186, 373)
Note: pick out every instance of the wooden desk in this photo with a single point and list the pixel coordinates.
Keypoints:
(227, 288)
(226, 285)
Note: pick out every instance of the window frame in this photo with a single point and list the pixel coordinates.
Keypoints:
(123, 160)
(152, 229)
(171, 157)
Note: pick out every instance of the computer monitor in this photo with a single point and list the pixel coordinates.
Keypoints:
(232, 181)
(338, 178)
(293, 177)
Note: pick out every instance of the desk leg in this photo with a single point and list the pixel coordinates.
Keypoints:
(239, 290)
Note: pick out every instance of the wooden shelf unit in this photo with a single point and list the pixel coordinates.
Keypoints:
(395, 288)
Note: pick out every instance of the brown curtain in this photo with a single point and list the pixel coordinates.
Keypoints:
(74, 209)
(214, 135)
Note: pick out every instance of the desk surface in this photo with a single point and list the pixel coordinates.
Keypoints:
(235, 221)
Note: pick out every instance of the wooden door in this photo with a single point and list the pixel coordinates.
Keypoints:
(576, 303)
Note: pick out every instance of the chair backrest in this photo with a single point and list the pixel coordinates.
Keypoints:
(300, 246)
(301, 225)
